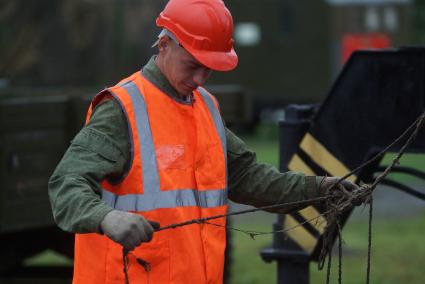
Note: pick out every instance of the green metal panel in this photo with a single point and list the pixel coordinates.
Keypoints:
(290, 62)
(34, 132)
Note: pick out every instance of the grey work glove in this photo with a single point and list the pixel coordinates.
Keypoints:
(127, 229)
(327, 186)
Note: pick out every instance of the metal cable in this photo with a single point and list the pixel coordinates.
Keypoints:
(369, 245)
(337, 201)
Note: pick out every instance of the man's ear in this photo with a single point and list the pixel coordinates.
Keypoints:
(163, 44)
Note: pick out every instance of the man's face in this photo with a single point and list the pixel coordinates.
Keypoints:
(183, 71)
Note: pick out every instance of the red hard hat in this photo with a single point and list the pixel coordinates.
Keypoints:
(204, 28)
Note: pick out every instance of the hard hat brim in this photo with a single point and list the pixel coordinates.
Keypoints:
(217, 61)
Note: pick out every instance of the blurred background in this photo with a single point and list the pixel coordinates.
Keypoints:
(289, 51)
(57, 54)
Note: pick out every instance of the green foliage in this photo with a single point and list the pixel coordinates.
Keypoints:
(48, 258)
(418, 22)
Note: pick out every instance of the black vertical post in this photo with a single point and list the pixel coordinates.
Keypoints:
(292, 261)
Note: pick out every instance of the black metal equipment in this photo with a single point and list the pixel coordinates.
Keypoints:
(293, 262)
(376, 97)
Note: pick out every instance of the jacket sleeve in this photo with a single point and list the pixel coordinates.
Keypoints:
(98, 151)
(259, 184)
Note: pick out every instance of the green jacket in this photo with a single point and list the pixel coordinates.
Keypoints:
(102, 148)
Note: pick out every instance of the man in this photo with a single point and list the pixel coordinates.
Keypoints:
(155, 150)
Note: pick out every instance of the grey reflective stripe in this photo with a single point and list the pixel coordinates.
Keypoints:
(166, 199)
(216, 117)
(147, 150)
(219, 125)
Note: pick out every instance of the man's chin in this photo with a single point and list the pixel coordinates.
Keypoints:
(185, 91)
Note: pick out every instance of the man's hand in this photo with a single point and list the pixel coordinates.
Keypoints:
(327, 186)
(127, 229)
(328, 182)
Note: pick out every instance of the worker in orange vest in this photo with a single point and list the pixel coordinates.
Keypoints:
(154, 150)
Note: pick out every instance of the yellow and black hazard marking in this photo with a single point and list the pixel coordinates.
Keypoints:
(312, 158)
(366, 109)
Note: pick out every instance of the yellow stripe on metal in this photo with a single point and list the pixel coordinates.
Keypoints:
(299, 234)
(320, 155)
(314, 218)
(325, 159)
(296, 164)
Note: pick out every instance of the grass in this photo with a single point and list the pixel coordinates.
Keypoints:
(398, 253)
(416, 161)
(267, 148)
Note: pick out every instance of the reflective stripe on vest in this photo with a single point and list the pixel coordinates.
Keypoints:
(216, 117)
(166, 199)
(153, 197)
(148, 157)
(218, 122)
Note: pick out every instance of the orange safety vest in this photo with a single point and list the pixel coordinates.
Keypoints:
(177, 173)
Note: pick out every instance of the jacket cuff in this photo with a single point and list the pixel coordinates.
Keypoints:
(312, 185)
(97, 218)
